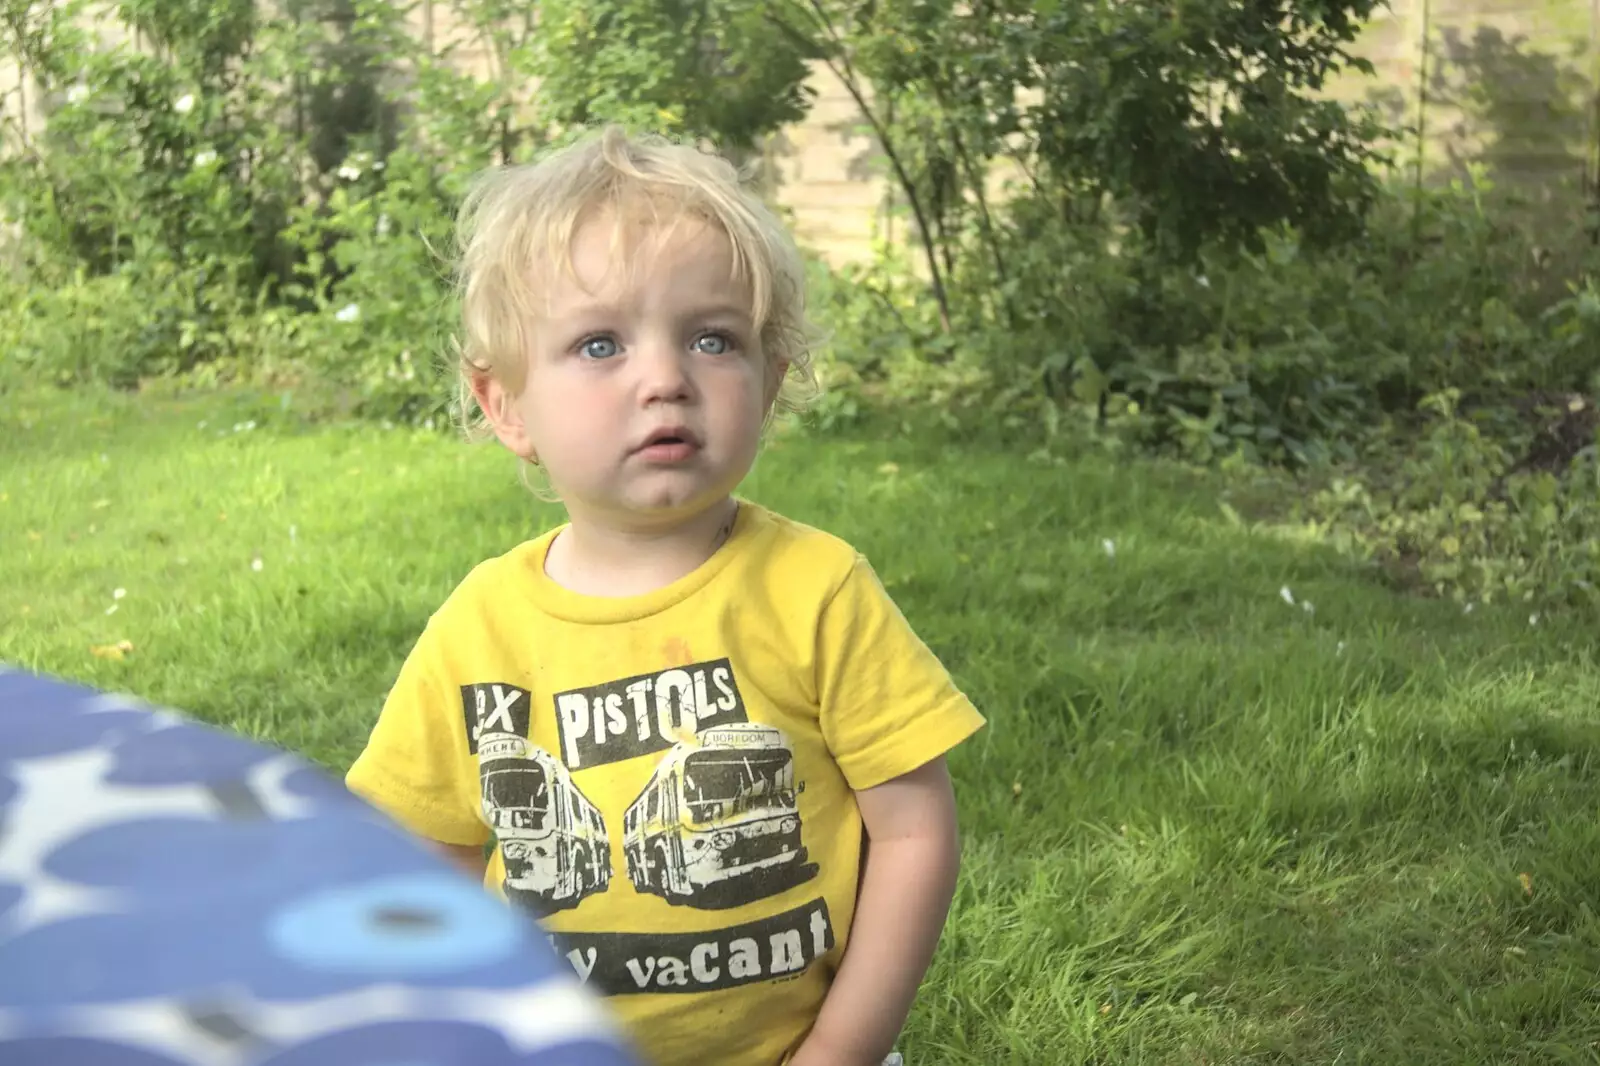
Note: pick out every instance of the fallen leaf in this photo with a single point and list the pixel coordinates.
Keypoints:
(1016, 788)
(1105, 1008)
(889, 468)
(112, 651)
(1527, 884)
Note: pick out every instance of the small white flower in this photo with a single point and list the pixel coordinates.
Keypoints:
(238, 427)
(112, 609)
(1468, 608)
(205, 158)
(1533, 619)
(1286, 595)
(77, 94)
(378, 165)
(291, 534)
(1110, 547)
(348, 313)
(1340, 649)
(427, 423)
(202, 424)
(383, 225)
(1307, 607)
(1205, 282)
(117, 594)
(185, 104)
(349, 173)
(256, 564)
(250, 425)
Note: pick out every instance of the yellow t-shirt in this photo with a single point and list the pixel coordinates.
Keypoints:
(669, 778)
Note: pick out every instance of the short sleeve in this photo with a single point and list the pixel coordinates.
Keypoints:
(887, 705)
(417, 767)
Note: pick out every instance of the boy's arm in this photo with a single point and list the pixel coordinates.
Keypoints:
(906, 886)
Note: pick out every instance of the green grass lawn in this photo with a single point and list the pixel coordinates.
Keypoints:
(1205, 826)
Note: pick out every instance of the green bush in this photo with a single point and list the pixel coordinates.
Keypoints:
(1470, 509)
(1291, 354)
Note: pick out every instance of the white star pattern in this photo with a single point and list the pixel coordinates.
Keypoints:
(555, 1012)
(62, 797)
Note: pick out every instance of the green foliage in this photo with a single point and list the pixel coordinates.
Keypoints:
(1196, 123)
(1136, 224)
(1292, 354)
(301, 165)
(380, 315)
(1459, 513)
(703, 68)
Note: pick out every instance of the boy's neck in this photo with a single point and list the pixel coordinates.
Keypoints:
(598, 559)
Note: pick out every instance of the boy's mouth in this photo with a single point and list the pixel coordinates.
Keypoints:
(668, 444)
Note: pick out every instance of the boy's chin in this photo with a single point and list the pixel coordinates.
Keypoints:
(658, 503)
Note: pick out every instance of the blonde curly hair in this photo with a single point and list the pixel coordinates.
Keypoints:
(516, 222)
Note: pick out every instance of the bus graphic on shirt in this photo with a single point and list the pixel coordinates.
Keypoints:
(718, 824)
(552, 840)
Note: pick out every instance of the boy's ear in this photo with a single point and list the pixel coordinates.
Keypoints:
(495, 400)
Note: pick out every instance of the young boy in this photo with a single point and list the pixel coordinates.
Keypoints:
(680, 717)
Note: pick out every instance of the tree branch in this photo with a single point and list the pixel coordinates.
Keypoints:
(846, 74)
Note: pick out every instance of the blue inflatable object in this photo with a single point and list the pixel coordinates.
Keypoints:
(173, 895)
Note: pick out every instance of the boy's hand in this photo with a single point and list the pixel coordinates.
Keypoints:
(815, 1051)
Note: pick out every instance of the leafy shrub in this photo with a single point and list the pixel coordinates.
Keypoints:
(1471, 510)
(120, 328)
(1290, 354)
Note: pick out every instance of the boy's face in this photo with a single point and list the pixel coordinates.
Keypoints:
(632, 352)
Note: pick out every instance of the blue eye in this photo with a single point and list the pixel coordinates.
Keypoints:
(713, 344)
(598, 347)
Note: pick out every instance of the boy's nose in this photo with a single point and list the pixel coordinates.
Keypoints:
(664, 371)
